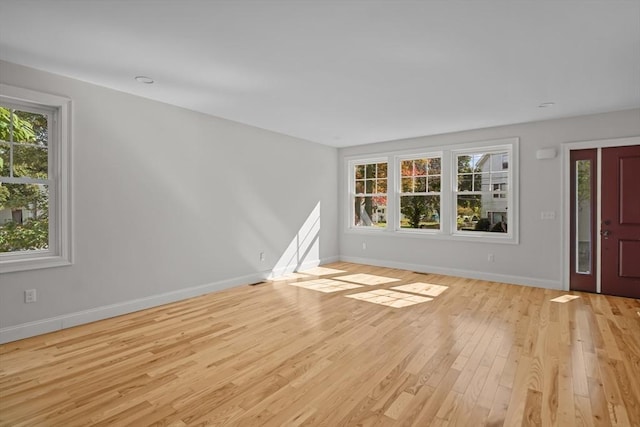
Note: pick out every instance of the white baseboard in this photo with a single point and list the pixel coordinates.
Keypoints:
(39, 327)
(480, 275)
(52, 324)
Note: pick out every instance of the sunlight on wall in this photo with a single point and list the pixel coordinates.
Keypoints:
(304, 249)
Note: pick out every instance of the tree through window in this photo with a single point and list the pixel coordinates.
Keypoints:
(24, 179)
(35, 179)
(370, 195)
(420, 181)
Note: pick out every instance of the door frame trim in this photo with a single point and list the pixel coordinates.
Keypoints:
(566, 198)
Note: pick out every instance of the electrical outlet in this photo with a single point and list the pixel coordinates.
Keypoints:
(30, 296)
(364, 246)
(491, 258)
(262, 258)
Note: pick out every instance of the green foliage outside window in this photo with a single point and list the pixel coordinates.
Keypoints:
(29, 159)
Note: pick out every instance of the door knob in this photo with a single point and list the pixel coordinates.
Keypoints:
(605, 233)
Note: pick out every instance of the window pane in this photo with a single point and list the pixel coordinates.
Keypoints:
(370, 171)
(407, 185)
(4, 159)
(370, 211)
(497, 162)
(464, 164)
(482, 213)
(382, 170)
(477, 181)
(583, 216)
(369, 186)
(406, 167)
(360, 172)
(434, 166)
(24, 217)
(420, 212)
(30, 161)
(434, 183)
(420, 184)
(501, 178)
(30, 127)
(481, 182)
(505, 161)
(420, 167)
(20, 126)
(464, 182)
(381, 186)
(481, 163)
(5, 127)
(360, 187)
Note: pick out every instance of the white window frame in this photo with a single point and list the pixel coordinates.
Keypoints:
(448, 191)
(511, 236)
(351, 192)
(59, 252)
(398, 190)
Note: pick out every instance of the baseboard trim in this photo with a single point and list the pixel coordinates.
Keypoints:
(480, 275)
(52, 324)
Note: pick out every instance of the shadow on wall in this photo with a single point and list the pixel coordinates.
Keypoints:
(304, 249)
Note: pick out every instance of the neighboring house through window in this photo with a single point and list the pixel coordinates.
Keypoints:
(482, 191)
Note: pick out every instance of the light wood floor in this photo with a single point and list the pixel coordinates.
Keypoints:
(480, 353)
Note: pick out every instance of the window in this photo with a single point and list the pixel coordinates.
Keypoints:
(369, 194)
(34, 179)
(499, 191)
(482, 191)
(459, 192)
(420, 182)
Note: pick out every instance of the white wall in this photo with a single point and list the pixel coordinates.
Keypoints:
(166, 200)
(537, 259)
(171, 203)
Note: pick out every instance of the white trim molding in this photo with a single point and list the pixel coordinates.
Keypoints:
(52, 324)
(38, 327)
(470, 274)
(60, 251)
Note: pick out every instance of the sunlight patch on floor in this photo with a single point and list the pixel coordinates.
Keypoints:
(389, 298)
(321, 271)
(290, 276)
(368, 279)
(325, 285)
(565, 298)
(422, 288)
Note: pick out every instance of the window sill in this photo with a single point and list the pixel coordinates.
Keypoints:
(480, 237)
(32, 263)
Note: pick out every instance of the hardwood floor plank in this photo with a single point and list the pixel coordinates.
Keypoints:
(479, 354)
(532, 408)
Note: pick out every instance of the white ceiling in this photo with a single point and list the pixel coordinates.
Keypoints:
(344, 72)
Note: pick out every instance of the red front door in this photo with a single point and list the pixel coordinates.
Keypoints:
(620, 227)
